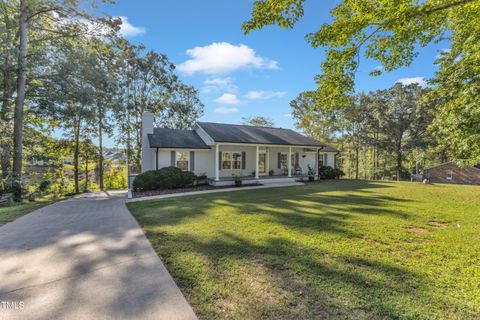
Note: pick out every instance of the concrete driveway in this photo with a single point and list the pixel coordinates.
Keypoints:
(84, 258)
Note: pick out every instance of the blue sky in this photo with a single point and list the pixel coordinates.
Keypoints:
(243, 76)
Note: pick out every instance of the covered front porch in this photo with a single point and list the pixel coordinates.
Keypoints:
(262, 164)
(249, 180)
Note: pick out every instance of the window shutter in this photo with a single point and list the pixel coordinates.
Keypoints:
(172, 158)
(296, 164)
(192, 160)
(279, 162)
(220, 160)
(244, 159)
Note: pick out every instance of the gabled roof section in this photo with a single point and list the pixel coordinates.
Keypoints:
(233, 133)
(175, 139)
(477, 166)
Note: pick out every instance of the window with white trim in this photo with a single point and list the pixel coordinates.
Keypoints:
(231, 160)
(449, 174)
(284, 161)
(182, 159)
(322, 160)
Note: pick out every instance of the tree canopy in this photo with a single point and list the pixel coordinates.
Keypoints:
(258, 121)
(66, 67)
(393, 32)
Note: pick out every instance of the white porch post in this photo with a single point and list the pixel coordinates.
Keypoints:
(317, 159)
(289, 161)
(217, 160)
(256, 162)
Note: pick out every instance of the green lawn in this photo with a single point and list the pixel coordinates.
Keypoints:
(11, 212)
(339, 250)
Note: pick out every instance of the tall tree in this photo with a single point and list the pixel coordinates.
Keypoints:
(18, 115)
(150, 83)
(67, 18)
(9, 27)
(318, 123)
(400, 119)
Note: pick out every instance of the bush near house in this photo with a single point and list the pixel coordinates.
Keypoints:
(165, 178)
(327, 172)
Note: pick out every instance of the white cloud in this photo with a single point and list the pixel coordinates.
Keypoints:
(222, 58)
(228, 98)
(129, 30)
(287, 115)
(264, 95)
(419, 80)
(225, 110)
(218, 84)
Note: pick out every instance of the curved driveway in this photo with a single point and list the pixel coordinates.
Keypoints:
(84, 258)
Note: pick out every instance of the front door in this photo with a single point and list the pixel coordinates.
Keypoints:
(262, 163)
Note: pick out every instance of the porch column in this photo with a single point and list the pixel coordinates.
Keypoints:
(256, 162)
(289, 161)
(217, 159)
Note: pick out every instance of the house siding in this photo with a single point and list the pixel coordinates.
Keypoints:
(205, 160)
(469, 175)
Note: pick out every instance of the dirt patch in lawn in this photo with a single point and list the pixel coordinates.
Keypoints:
(281, 293)
(438, 224)
(418, 230)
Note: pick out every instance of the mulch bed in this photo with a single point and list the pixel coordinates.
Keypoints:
(141, 194)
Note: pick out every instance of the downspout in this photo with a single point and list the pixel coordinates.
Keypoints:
(156, 160)
(318, 160)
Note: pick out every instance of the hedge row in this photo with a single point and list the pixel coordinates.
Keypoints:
(165, 178)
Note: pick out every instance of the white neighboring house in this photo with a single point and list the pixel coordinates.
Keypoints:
(220, 151)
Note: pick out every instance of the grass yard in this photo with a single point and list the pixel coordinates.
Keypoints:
(11, 212)
(339, 250)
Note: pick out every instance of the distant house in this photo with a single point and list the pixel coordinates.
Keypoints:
(450, 172)
(219, 151)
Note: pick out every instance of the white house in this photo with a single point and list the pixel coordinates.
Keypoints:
(221, 151)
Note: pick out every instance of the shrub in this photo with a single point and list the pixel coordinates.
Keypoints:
(326, 172)
(165, 178)
(115, 178)
(338, 173)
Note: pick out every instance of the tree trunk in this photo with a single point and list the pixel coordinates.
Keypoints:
(76, 152)
(100, 147)
(18, 116)
(86, 175)
(356, 163)
(374, 168)
(7, 94)
(129, 143)
(5, 160)
(399, 161)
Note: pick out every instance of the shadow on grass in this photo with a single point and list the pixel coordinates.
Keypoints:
(285, 280)
(220, 273)
(310, 207)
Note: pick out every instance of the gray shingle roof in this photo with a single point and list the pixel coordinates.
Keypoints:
(221, 132)
(175, 138)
